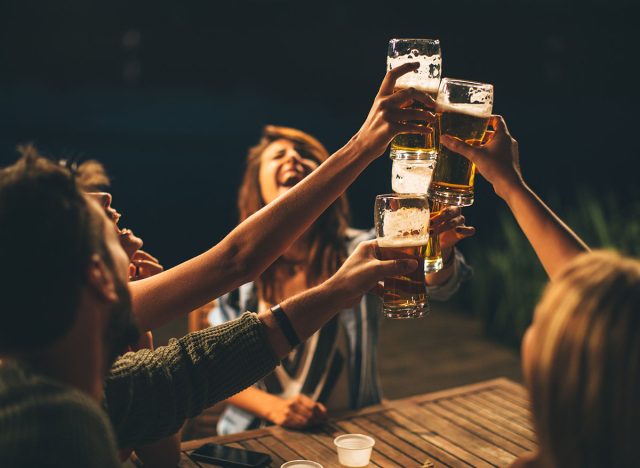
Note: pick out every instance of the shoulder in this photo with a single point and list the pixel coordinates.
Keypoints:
(60, 426)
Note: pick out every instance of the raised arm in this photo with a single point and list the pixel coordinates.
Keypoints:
(498, 162)
(149, 394)
(258, 241)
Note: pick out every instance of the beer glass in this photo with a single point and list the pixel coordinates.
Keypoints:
(402, 231)
(414, 176)
(426, 79)
(463, 109)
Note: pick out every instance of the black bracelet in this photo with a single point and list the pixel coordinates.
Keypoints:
(285, 325)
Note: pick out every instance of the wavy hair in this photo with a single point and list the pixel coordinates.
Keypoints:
(327, 240)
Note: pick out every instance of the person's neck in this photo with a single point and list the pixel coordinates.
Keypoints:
(79, 358)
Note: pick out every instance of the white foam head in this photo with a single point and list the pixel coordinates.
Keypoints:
(426, 78)
(475, 110)
(405, 227)
(478, 98)
(408, 176)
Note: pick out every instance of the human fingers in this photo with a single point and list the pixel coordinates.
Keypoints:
(409, 96)
(144, 255)
(146, 268)
(449, 239)
(451, 223)
(389, 81)
(444, 215)
(321, 410)
(472, 153)
(399, 266)
(407, 115)
(144, 342)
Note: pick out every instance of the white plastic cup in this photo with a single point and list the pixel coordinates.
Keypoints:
(301, 464)
(354, 450)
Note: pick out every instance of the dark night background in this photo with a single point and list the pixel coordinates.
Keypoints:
(169, 95)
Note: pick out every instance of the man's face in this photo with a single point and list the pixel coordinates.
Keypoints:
(121, 330)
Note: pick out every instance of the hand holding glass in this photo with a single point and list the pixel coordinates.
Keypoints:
(402, 231)
(425, 79)
(463, 109)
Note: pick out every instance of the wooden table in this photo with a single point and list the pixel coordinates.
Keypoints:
(484, 424)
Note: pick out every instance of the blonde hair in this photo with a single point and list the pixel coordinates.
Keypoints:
(585, 376)
(327, 249)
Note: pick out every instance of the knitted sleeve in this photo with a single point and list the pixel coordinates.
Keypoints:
(149, 394)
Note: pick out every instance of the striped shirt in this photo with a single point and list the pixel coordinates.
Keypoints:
(343, 354)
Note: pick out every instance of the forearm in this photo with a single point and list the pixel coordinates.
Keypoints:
(307, 312)
(553, 241)
(251, 247)
(149, 394)
(254, 401)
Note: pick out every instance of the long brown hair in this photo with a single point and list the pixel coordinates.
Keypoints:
(585, 374)
(327, 236)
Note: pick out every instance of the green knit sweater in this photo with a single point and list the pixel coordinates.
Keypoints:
(148, 395)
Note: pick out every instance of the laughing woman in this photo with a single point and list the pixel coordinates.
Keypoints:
(336, 369)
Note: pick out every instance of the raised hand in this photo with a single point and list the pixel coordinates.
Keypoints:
(391, 114)
(498, 160)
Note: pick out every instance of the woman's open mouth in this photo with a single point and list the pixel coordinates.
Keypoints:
(290, 178)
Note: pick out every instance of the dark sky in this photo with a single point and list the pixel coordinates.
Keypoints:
(169, 95)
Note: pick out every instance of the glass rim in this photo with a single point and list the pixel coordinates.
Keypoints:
(383, 196)
(468, 83)
(422, 39)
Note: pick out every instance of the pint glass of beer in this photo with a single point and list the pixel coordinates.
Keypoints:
(402, 231)
(414, 176)
(425, 79)
(463, 109)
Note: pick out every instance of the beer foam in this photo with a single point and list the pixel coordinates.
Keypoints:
(397, 242)
(474, 110)
(426, 78)
(411, 176)
(406, 225)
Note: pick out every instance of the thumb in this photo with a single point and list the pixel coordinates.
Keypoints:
(458, 146)
(396, 267)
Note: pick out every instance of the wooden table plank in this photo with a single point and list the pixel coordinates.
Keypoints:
(487, 423)
(484, 424)
(383, 454)
(470, 447)
(504, 403)
(277, 447)
(495, 437)
(389, 438)
(512, 397)
(501, 420)
(325, 436)
(257, 446)
(394, 423)
(515, 416)
(454, 392)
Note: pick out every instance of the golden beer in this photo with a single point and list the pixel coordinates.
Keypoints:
(453, 176)
(426, 79)
(433, 261)
(402, 231)
(405, 296)
(417, 145)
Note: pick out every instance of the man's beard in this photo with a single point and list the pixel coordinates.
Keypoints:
(122, 331)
